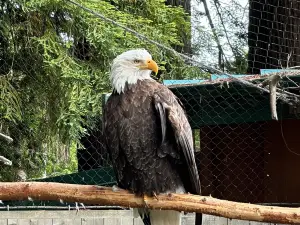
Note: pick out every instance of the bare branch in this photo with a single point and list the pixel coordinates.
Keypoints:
(293, 88)
(274, 79)
(217, 5)
(292, 81)
(89, 194)
(5, 161)
(285, 96)
(272, 82)
(6, 138)
(213, 29)
(288, 93)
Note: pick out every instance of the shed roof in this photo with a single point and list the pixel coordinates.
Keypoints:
(222, 100)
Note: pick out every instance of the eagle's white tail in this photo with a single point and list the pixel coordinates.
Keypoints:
(160, 217)
(165, 217)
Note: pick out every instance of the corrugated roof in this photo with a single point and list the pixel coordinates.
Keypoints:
(219, 78)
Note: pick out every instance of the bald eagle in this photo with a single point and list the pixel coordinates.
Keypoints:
(148, 136)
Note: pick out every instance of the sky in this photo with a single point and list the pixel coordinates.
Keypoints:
(196, 7)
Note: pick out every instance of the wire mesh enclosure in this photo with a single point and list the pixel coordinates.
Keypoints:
(55, 58)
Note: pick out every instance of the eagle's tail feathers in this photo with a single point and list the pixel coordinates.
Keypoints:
(135, 212)
(143, 213)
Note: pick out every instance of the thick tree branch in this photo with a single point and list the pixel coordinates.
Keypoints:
(272, 81)
(89, 194)
(272, 87)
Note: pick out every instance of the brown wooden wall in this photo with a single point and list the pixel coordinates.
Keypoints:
(283, 162)
(250, 162)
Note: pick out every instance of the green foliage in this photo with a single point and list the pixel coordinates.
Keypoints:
(56, 64)
(239, 65)
(9, 100)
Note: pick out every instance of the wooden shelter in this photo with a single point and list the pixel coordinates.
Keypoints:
(244, 155)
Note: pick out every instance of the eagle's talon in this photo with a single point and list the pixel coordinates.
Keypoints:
(145, 201)
(76, 207)
(115, 188)
(83, 206)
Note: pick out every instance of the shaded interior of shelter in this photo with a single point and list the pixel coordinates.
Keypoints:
(244, 155)
(255, 162)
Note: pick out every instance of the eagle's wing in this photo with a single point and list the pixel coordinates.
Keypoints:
(112, 137)
(170, 111)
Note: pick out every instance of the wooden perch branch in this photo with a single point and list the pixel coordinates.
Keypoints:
(89, 194)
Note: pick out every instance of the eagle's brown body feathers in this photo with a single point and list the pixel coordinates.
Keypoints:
(150, 140)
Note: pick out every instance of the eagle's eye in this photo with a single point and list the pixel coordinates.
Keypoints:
(136, 61)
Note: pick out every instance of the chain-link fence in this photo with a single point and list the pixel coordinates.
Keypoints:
(54, 65)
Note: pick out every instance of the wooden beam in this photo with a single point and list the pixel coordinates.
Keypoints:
(90, 194)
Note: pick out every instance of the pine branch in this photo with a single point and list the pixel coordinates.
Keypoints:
(90, 194)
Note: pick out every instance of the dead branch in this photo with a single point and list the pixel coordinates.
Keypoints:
(6, 138)
(272, 81)
(272, 87)
(89, 194)
(5, 161)
(213, 29)
(291, 81)
(218, 6)
(285, 96)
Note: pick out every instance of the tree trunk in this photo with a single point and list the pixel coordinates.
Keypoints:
(185, 4)
(273, 34)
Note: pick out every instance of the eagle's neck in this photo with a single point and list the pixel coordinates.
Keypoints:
(123, 76)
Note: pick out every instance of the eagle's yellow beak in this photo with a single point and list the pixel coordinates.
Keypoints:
(151, 65)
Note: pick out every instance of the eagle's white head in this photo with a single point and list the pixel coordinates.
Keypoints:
(131, 66)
